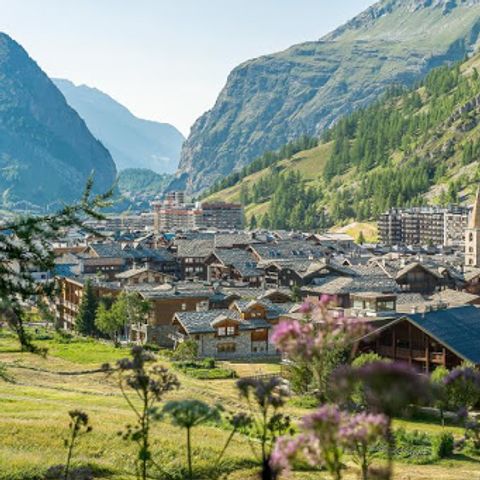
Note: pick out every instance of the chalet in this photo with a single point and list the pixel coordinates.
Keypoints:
(418, 278)
(300, 272)
(110, 258)
(235, 265)
(191, 255)
(145, 275)
(426, 340)
(242, 330)
(361, 279)
(166, 300)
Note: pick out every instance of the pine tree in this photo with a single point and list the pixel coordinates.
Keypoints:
(253, 222)
(361, 238)
(85, 319)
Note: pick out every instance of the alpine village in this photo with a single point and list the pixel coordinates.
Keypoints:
(290, 292)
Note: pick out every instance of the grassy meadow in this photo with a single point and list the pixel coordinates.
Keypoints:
(34, 421)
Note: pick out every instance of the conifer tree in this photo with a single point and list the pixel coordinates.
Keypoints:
(253, 222)
(85, 319)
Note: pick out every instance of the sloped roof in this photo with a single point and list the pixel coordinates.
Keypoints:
(414, 265)
(195, 248)
(457, 328)
(203, 322)
(241, 260)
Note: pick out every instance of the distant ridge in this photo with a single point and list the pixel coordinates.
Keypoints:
(132, 141)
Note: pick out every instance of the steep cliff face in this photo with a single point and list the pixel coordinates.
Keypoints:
(46, 150)
(273, 99)
(132, 141)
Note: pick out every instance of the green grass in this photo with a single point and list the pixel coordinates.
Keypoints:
(34, 420)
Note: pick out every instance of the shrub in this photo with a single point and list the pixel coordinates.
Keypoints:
(210, 373)
(442, 445)
(187, 350)
(304, 401)
(152, 347)
(209, 363)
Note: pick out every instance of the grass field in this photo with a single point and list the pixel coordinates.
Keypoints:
(34, 420)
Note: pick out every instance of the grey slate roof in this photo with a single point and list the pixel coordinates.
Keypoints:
(241, 260)
(201, 322)
(456, 328)
(289, 249)
(114, 250)
(195, 248)
(228, 240)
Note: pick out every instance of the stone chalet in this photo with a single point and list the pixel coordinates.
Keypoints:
(242, 330)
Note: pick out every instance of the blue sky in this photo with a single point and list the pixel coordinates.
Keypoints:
(165, 60)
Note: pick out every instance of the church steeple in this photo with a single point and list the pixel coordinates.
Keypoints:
(472, 235)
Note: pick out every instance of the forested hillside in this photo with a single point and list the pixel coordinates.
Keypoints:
(274, 99)
(411, 147)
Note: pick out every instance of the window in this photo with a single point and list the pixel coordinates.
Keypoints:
(184, 306)
(230, 331)
(226, 348)
(221, 331)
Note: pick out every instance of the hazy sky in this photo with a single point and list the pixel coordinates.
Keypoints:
(165, 60)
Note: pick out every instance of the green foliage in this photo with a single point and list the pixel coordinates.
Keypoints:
(127, 309)
(135, 180)
(85, 319)
(304, 401)
(188, 414)
(266, 160)
(205, 369)
(386, 155)
(187, 350)
(26, 247)
(442, 445)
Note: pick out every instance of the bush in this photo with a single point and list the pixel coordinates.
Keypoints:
(152, 347)
(442, 445)
(304, 401)
(210, 373)
(187, 350)
(209, 362)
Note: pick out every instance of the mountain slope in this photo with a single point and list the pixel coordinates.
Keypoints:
(46, 150)
(133, 142)
(306, 88)
(409, 148)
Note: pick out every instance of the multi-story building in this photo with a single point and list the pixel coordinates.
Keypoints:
(423, 226)
(174, 214)
(221, 215)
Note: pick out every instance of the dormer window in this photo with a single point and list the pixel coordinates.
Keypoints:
(226, 331)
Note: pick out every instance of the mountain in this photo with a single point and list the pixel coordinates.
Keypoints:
(133, 142)
(46, 150)
(141, 181)
(273, 99)
(411, 147)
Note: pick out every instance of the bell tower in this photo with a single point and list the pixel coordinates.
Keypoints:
(472, 235)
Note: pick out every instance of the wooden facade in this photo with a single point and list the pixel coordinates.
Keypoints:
(405, 342)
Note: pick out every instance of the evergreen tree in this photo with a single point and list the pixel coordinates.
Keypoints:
(266, 221)
(26, 247)
(85, 319)
(361, 238)
(253, 222)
